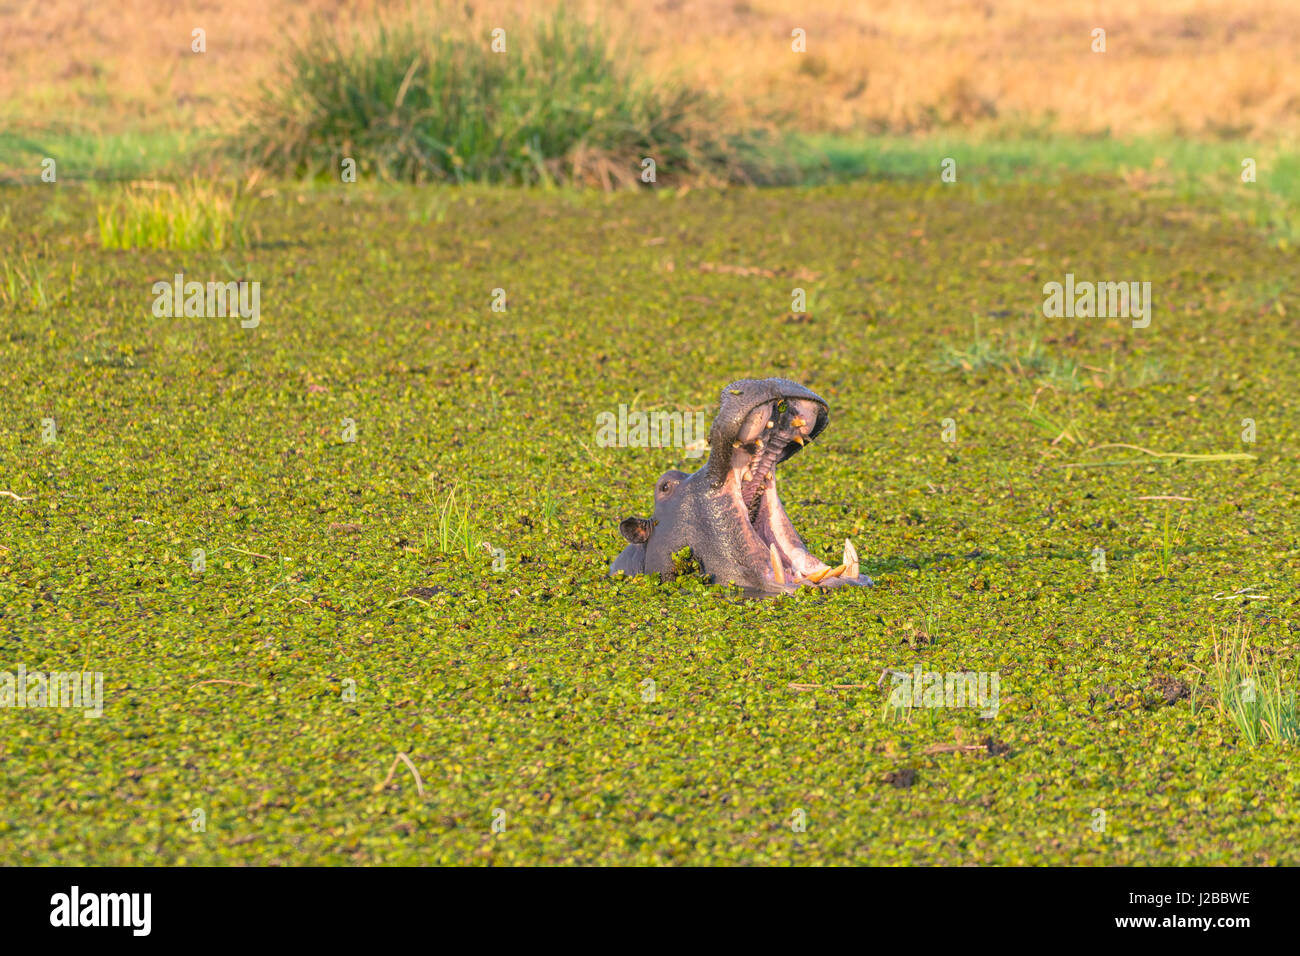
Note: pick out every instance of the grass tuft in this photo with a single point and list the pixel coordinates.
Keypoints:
(1020, 352)
(1251, 698)
(24, 284)
(456, 533)
(153, 215)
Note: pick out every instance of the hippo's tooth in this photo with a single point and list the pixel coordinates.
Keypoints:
(797, 437)
(759, 443)
(771, 424)
(735, 444)
(777, 571)
(798, 422)
(816, 576)
(836, 572)
(850, 559)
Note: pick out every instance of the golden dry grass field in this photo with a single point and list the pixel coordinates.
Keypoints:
(1198, 68)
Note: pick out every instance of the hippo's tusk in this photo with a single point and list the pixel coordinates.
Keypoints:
(851, 559)
(777, 571)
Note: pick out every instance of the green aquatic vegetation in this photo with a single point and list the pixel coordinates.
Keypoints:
(684, 563)
(275, 616)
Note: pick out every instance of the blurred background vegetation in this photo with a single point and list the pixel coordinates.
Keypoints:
(1185, 90)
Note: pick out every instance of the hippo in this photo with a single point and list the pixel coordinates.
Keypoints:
(728, 512)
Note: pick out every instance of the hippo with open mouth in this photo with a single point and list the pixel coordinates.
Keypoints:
(728, 512)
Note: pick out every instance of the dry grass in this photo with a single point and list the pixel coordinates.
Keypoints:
(1201, 67)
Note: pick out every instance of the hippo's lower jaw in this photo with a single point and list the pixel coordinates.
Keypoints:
(728, 512)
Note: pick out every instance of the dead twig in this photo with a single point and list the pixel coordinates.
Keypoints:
(955, 748)
(242, 551)
(1248, 593)
(1170, 455)
(402, 758)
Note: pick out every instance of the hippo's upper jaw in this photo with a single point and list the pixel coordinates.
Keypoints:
(728, 512)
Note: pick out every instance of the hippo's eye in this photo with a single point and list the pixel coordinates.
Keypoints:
(781, 406)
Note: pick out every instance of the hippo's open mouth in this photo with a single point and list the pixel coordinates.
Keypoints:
(768, 435)
(728, 513)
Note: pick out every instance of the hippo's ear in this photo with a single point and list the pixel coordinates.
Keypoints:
(636, 530)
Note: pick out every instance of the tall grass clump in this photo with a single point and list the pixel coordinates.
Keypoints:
(456, 532)
(1250, 697)
(192, 215)
(23, 283)
(427, 100)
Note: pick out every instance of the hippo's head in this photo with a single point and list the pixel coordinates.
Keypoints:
(728, 512)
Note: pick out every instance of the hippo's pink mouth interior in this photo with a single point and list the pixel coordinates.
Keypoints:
(771, 433)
